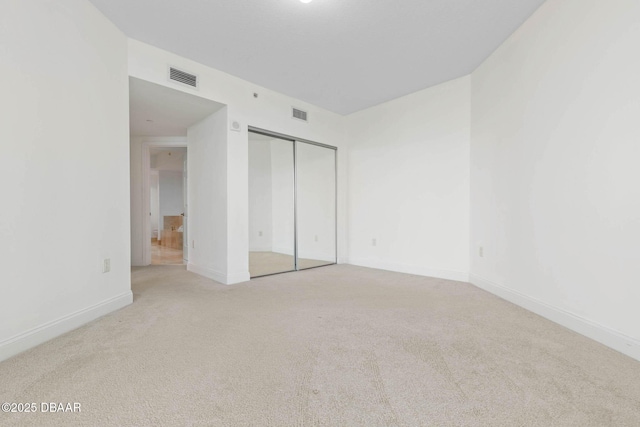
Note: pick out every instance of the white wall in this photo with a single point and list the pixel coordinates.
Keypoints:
(271, 111)
(64, 136)
(555, 150)
(260, 196)
(154, 196)
(409, 183)
(138, 206)
(207, 195)
(171, 198)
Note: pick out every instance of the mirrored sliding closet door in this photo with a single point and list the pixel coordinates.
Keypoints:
(271, 205)
(316, 205)
(292, 204)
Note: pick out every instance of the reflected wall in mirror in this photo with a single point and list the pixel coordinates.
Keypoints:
(271, 205)
(316, 205)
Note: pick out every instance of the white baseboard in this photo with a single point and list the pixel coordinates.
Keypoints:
(234, 278)
(225, 279)
(50, 330)
(207, 272)
(609, 337)
(460, 276)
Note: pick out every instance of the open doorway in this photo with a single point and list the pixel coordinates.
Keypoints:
(160, 119)
(167, 197)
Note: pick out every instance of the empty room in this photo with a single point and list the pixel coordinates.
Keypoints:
(320, 213)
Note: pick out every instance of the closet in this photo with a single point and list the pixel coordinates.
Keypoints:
(292, 203)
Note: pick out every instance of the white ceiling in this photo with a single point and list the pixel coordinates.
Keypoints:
(170, 111)
(168, 159)
(343, 55)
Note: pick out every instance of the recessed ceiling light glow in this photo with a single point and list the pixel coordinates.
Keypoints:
(305, 1)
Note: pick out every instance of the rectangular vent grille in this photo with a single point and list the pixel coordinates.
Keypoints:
(299, 114)
(183, 77)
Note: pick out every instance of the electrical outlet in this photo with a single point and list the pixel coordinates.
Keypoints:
(481, 251)
(260, 233)
(193, 244)
(316, 238)
(106, 265)
(374, 242)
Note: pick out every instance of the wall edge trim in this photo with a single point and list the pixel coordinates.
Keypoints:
(225, 279)
(588, 328)
(460, 276)
(47, 331)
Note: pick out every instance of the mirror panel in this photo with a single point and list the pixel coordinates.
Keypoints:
(271, 205)
(316, 205)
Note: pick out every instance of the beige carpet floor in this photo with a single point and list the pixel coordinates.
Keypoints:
(263, 263)
(333, 346)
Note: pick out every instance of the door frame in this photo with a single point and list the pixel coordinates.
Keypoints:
(147, 144)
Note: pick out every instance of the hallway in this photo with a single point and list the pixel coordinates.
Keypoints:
(163, 255)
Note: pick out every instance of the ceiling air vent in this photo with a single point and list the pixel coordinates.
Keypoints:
(183, 77)
(299, 114)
